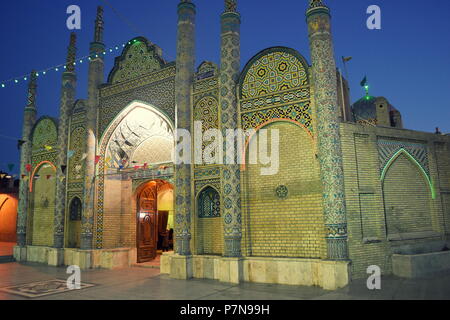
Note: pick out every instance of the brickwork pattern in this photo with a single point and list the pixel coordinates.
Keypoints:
(229, 74)
(210, 236)
(29, 119)
(43, 207)
(292, 226)
(369, 242)
(407, 196)
(329, 142)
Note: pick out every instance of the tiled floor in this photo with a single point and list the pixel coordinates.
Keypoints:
(148, 284)
(6, 248)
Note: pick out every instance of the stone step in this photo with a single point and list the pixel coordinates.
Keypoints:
(145, 265)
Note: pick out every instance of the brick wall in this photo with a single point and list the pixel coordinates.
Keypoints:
(407, 198)
(418, 217)
(290, 227)
(443, 165)
(43, 207)
(112, 217)
(210, 236)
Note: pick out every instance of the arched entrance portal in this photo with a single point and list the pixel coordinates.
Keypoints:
(154, 229)
(135, 153)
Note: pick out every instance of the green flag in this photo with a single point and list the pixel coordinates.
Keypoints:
(364, 82)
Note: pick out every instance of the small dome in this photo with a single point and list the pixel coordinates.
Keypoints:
(365, 109)
(376, 111)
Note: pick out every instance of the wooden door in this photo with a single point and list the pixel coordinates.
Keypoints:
(147, 238)
(147, 226)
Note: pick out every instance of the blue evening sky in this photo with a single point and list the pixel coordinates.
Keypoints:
(407, 61)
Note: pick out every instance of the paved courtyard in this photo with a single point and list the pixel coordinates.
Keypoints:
(147, 284)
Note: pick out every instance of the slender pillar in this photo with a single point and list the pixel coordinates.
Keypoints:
(95, 78)
(183, 92)
(329, 143)
(229, 75)
(68, 90)
(29, 119)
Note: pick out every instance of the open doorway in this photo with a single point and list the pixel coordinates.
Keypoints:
(154, 229)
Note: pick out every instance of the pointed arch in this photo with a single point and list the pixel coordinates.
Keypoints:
(118, 120)
(199, 198)
(138, 51)
(400, 152)
(40, 164)
(265, 124)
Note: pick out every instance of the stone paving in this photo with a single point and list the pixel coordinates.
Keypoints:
(148, 284)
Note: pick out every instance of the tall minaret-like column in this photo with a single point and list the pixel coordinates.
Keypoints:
(29, 119)
(95, 78)
(229, 74)
(69, 82)
(183, 100)
(329, 141)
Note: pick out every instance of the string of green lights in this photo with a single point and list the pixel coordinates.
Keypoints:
(62, 66)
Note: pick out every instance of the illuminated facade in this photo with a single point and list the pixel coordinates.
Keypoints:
(100, 189)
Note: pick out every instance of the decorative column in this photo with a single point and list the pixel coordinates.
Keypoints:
(69, 82)
(229, 75)
(29, 119)
(95, 78)
(183, 100)
(329, 143)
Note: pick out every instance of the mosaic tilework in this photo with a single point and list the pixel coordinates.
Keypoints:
(95, 79)
(206, 111)
(66, 105)
(25, 158)
(77, 144)
(229, 76)
(206, 70)
(139, 57)
(113, 89)
(206, 84)
(206, 172)
(42, 288)
(213, 182)
(209, 203)
(283, 93)
(160, 94)
(329, 144)
(278, 98)
(299, 112)
(183, 90)
(388, 148)
(275, 71)
(45, 133)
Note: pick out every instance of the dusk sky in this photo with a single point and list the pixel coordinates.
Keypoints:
(407, 61)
